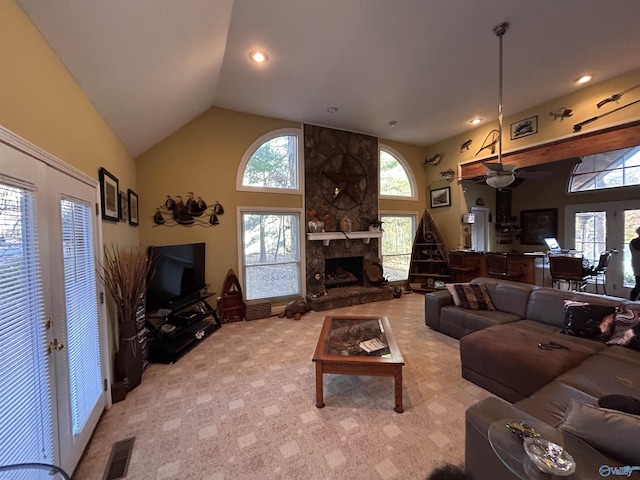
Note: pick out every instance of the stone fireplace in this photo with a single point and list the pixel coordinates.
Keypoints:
(341, 178)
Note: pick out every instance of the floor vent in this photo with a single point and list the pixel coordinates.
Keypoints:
(118, 463)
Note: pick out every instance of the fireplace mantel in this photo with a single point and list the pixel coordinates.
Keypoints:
(326, 237)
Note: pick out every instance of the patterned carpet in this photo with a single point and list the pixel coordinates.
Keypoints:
(241, 405)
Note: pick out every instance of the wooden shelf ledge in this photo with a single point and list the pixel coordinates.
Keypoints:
(326, 237)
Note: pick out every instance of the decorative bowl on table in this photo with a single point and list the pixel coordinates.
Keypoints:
(549, 457)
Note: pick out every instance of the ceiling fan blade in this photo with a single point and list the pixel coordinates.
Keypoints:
(536, 175)
(495, 166)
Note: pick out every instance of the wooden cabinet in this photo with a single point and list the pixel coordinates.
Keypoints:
(429, 268)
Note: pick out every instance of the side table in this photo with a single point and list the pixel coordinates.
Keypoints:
(510, 450)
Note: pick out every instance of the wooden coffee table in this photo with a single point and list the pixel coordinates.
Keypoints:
(339, 351)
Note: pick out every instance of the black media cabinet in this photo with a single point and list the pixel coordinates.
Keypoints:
(175, 333)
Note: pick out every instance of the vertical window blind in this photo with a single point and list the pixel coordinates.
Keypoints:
(81, 311)
(25, 396)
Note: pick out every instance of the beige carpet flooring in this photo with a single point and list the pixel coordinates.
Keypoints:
(241, 405)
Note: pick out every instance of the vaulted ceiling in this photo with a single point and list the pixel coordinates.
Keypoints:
(150, 66)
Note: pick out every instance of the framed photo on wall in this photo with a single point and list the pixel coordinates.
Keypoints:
(525, 127)
(124, 206)
(109, 195)
(133, 207)
(441, 197)
(538, 225)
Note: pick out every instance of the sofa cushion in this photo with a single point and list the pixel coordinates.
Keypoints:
(626, 329)
(458, 322)
(546, 305)
(507, 296)
(472, 297)
(612, 432)
(509, 355)
(588, 320)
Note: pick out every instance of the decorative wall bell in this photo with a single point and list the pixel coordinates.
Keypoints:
(217, 208)
(213, 219)
(158, 218)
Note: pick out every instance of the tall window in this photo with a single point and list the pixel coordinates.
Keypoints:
(613, 169)
(271, 254)
(591, 234)
(397, 241)
(631, 222)
(396, 179)
(271, 163)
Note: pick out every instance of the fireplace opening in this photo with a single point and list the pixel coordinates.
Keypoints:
(341, 272)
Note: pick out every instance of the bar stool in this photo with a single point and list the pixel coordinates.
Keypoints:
(568, 269)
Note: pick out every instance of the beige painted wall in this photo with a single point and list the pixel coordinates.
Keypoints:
(203, 157)
(41, 102)
(550, 192)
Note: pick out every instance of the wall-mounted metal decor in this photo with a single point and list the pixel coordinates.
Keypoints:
(194, 211)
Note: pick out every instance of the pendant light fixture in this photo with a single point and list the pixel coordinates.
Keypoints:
(497, 175)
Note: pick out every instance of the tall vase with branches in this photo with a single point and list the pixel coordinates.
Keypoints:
(124, 274)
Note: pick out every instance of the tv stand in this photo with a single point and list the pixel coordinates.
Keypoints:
(174, 333)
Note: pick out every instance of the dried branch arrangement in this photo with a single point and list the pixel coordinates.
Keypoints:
(124, 274)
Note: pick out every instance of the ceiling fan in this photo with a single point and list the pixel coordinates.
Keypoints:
(498, 174)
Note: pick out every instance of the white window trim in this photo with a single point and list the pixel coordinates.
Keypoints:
(302, 229)
(297, 132)
(407, 168)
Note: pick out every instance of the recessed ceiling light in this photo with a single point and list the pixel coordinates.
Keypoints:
(584, 79)
(332, 109)
(392, 123)
(258, 56)
(476, 121)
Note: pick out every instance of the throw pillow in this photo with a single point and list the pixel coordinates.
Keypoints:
(451, 287)
(626, 329)
(621, 403)
(614, 433)
(474, 297)
(588, 320)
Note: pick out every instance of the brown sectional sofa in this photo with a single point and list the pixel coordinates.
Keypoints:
(499, 352)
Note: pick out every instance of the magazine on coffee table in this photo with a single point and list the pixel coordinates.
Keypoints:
(372, 345)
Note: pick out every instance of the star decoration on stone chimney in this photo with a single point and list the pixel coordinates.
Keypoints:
(345, 186)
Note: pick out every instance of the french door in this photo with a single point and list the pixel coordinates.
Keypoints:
(605, 226)
(51, 372)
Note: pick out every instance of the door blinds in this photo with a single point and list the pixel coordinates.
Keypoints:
(25, 399)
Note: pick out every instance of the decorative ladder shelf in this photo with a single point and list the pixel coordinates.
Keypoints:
(326, 237)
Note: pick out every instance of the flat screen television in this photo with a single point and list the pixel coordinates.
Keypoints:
(176, 278)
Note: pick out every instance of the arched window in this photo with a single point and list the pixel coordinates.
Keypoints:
(618, 168)
(396, 179)
(272, 163)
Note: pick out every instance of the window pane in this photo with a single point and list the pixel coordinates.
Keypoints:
(393, 177)
(397, 241)
(25, 398)
(271, 255)
(273, 165)
(82, 312)
(607, 170)
(591, 234)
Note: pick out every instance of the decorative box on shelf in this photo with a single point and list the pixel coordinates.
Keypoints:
(256, 309)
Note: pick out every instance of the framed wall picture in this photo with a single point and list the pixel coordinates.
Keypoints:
(441, 197)
(124, 206)
(525, 127)
(537, 225)
(109, 195)
(133, 207)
